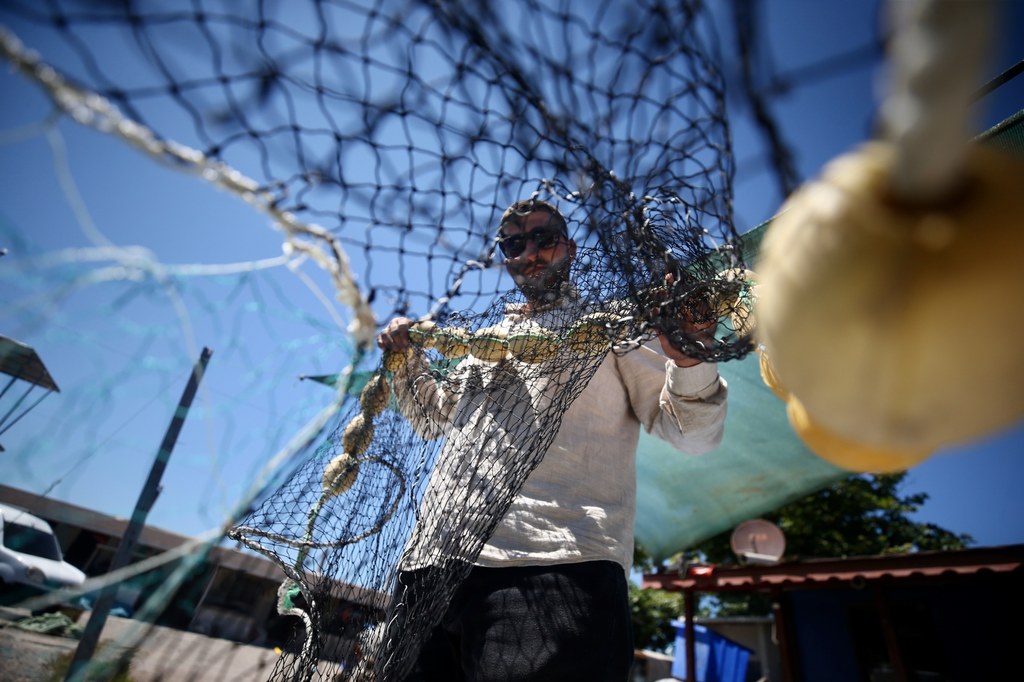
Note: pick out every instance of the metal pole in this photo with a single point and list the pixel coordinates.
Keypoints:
(202, 599)
(105, 600)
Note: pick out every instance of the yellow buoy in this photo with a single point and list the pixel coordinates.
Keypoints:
(738, 304)
(373, 399)
(899, 326)
(489, 344)
(592, 334)
(395, 360)
(452, 342)
(339, 475)
(769, 377)
(846, 453)
(533, 347)
(424, 334)
(357, 435)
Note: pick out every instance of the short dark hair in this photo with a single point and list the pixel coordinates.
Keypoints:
(525, 207)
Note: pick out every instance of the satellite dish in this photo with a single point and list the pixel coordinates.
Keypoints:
(758, 542)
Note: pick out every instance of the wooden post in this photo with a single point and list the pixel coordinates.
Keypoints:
(105, 600)
(783, 634)
(892, 644)
(691, 637)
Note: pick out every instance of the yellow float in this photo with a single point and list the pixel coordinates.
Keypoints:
(899, 326)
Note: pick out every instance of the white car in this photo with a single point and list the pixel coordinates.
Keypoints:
(30, 555)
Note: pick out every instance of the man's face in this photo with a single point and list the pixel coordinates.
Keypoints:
(537, 255)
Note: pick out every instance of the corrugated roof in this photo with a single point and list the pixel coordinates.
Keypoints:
(816, 573)
(22, 362)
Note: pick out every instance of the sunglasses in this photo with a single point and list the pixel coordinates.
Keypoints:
(514, 245)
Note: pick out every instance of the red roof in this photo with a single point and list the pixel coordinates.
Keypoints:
(812, 573)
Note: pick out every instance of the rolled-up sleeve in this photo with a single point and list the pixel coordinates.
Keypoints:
(683, 406)
(422, 400)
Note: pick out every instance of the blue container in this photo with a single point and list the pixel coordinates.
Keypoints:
(719, 659)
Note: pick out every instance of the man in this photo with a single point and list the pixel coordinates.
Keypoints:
(547, 596)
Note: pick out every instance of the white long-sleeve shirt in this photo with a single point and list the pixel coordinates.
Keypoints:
(579, 503)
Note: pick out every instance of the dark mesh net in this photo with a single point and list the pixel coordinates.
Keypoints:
(386, 140)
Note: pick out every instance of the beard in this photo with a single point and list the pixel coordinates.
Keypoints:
(544, 284)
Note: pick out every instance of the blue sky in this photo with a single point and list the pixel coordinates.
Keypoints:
(114, 335)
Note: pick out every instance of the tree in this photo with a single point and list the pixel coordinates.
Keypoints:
(653, 611)
(863, 515)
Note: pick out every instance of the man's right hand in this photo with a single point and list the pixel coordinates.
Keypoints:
(395, 336)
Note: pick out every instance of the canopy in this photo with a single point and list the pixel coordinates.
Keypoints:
(20, 363)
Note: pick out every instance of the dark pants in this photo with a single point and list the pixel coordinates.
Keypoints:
(533, 624)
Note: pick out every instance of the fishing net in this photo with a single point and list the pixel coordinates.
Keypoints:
(386, 140)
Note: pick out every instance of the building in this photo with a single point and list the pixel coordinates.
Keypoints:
(232, 595)
(925, 617)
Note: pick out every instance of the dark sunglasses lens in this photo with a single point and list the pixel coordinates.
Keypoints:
(545, 239)
(515, 245)
(512, 246)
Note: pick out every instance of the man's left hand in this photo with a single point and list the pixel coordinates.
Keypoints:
(702, 332)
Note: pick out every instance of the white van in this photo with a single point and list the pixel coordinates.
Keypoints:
(30, 555)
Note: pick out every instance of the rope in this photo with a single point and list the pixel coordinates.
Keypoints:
(95, 111)
(936, 52)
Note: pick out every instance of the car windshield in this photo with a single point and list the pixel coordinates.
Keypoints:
(28, 540)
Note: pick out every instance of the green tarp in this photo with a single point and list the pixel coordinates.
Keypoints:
(760, 465)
